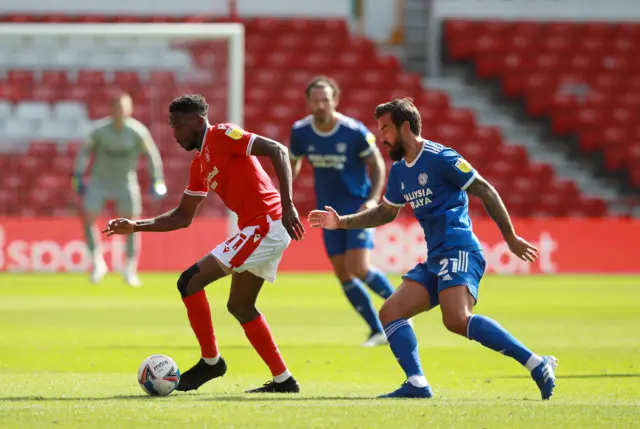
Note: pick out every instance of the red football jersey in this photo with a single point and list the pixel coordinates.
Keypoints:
(224, 164)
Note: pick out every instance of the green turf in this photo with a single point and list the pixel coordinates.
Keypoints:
(69, 354)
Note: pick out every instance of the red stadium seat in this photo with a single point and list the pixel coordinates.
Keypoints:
(20, 77)
(530, 58)
(57, 78)
(91, 78)
(44, 149)
(583, 76)
(126, 80)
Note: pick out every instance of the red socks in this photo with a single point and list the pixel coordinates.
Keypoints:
(257, 331)
(259, 335)
(199, 315)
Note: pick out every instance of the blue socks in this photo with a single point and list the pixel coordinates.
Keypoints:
(487, 332)
(360, 300)
(378, 283)
(404, 345)
(490, 334)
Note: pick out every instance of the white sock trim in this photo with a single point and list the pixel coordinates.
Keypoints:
(533, 362)
(390, 329)
(418, 380)
(370, 276)
(469, 324)
(211, 361)
(282, 377)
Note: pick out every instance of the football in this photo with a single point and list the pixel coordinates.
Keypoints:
(158, 375)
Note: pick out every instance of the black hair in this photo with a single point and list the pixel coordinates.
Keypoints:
(401, 110)
(189, 103)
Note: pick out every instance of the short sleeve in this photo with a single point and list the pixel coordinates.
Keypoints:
(233, 140)
(196, 186)
(366, 142)
(455, 169)
(296, 146)
(393, 195)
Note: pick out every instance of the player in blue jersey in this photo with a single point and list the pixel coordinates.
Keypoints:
(435, 180)
(341, 149)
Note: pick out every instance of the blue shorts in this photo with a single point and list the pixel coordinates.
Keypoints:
(455, 267)
(338, 241)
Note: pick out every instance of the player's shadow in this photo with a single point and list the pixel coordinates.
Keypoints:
(580, 376)
(285, 398)
(156, 347)
(34, 398)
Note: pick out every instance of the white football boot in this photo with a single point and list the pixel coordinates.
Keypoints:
(100, 270)
(130, 274)
(376, 339)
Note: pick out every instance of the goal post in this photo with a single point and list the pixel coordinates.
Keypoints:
(233, 32)
(12, 38)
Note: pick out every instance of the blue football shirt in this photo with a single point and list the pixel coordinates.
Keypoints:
(338, 160)
(434, 186)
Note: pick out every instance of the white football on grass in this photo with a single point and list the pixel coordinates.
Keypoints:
(158, 375)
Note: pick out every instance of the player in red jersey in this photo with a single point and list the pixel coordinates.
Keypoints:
(225, 163)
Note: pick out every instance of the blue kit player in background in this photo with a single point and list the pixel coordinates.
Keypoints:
(340, 149)
(435, 180)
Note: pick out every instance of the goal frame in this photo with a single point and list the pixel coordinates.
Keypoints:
(233, 32)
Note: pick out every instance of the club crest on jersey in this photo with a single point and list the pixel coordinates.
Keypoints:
(234, 133)
(422, 179)
(206, 153)
(341, 147)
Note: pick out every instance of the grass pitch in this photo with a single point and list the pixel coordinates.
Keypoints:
(69, 353)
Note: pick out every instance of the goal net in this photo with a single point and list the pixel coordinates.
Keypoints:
(57, 79)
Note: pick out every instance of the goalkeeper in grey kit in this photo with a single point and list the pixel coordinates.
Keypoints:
(116, 143)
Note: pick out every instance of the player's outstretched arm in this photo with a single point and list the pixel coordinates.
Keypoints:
(279, 156)
(80, 165)
(180, 217)
(379, 215)
(154, 163)
(498, 212)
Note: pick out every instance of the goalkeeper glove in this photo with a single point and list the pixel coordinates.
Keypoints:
(78, 184)
(158, 189)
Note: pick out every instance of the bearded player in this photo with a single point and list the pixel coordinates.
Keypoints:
(435, 180)
(225, 162)
(116, 144)
(341, 150)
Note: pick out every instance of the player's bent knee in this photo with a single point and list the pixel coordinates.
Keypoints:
(456, 322)
(340, 268)
(185, 279)
(243, 311)
(360, 272)
(343, 275)
(389, 312)
(344, 278)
